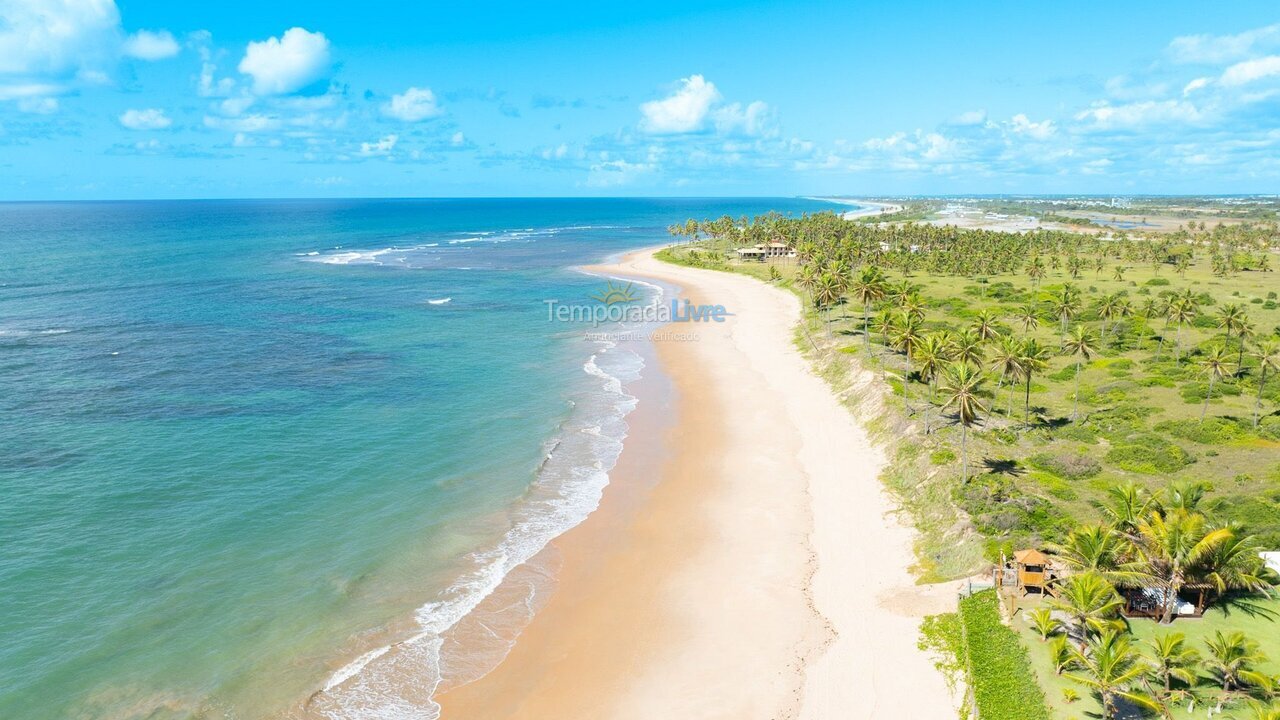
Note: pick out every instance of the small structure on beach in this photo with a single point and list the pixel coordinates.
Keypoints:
(1028, 570)
(764, 251)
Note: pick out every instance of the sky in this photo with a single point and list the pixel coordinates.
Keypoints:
(148, 99)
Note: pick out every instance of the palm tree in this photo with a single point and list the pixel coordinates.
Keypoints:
(1182, 310)
(1231, 317)
(931, 353)
(1214, 364)
(868, 288)
(967, 346)
(984, 325)
(1033, 359)
(1118, 272)
(961, 388)
(1097, 549)
(1006, 360)
(1061, 653)
(1066, 305)
(1171, 660)
(1090, 603)
(1126, 505)
(1110, 665)
(1029, 317)
(1233, 659)
(1044, 622)
(1268, 354)
(907, 332)
(1109, 308)
(1172, 548)
(1235, 564)
(1035, 270)
(1082, 345)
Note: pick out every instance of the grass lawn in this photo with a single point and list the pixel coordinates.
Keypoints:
(1260, 621)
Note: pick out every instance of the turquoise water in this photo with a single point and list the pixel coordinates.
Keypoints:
(249, 444)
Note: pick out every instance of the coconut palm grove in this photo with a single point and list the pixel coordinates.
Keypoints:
(1102, 392)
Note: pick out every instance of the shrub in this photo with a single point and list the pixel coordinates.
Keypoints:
(1066, 373)
(1195, 392)
(1054, 485)
(1149, 454)
(1157, 282)
(942, 457)
(1213, 431)
(1069, 466)
(1004, 687)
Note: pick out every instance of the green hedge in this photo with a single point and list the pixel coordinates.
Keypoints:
(1004, 687)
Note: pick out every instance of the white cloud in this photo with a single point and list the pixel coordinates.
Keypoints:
(1251, 70)
(1214, 49)
(972, 117)
(1194, 85)
(458, 139)
(148, 45)
(232, 107)
(57, 37)
(753, 120)
(246, 124)
(1021, 125)
(1133, 115)
(556, 153)
(286, 64)
(38, 105)
(612, 173)
(19, 91)
(684, 111)
(148, 119)
(383, 146)
(413, 105)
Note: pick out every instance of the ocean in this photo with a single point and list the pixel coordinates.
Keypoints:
(259, 459)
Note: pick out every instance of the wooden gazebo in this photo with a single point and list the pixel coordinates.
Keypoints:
(1034, 571)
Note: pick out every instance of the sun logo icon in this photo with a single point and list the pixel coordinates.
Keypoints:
(613, 294)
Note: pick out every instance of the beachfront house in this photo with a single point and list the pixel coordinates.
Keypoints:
(766, 251)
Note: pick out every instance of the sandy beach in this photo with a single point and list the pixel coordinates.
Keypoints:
(743, 562)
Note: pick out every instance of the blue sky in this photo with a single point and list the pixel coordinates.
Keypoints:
(133, 99)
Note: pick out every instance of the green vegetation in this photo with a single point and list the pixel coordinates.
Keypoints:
(1051, 365)
(974, 646)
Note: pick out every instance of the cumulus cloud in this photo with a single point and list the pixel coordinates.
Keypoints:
(1251, 70)
(1022, 125)
(148, 119)
(383, 146)
(58, 37)
(287, 64)
(697, 106)
(413, 105)
(458, 139)
(1216, 49)
(683, 111)
(148, 45)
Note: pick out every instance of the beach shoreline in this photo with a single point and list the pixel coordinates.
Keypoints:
(868, 207)
(744, 561)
